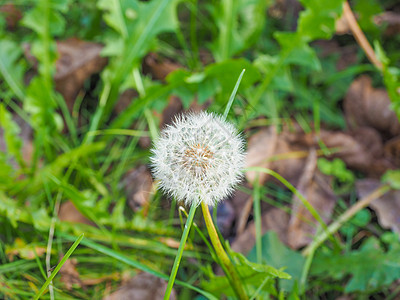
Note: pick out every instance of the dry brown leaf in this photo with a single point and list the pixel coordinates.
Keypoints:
(362, 152)
(69, 213)
(159, 67)
(77, 61)
(367, 106)
(317, 190)
(391, 151)
(387, 207)
(12, 15)
(142, 286)
(70, 275)
(261, 147)
(138, 187)
(274, 219)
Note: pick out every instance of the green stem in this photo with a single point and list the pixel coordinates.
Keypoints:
(178, 256)
(228, 266)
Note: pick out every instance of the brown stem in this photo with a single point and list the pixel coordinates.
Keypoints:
(347, 215)
(359, 35)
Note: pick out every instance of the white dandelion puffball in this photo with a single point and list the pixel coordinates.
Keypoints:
(199, 157)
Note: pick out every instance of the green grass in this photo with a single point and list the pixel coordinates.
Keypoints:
(83, 155)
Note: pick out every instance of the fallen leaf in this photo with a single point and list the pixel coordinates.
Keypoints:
(367, 106)
(69, 213)
(23, 250)
(142, 286)
(316, 188)
(138, 187)
(392, 21)
(387, 207)
(363, 152)
(70, 275)
(159, 67)
(12, 15)
(274, 219)
(261, 147)
(77, 61)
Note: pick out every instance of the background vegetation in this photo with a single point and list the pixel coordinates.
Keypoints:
(85, 87)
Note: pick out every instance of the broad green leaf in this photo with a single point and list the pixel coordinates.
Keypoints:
(297, 51)
(279, 256)
(6, 172)
(10, 70)
(251, 274)
(371, 266)
(282, 79)
(317, 21)
(239, 24)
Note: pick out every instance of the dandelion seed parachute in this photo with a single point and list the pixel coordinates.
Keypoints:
(199, 157)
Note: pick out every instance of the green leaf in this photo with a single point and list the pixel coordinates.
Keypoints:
(282, 79)
(11, 135)
(317, 21)
(279, 256)
(239, 24)
(371, 266)
(392, 177)
(141, 23)
(253, 275)
(11, 71)
(297, 50)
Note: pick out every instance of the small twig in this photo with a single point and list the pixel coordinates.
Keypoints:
(347, 215)
(360, 36)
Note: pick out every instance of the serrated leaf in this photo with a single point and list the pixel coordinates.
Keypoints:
(252, 276)
(239, 24)
(317, 21)
(11, 132)
(371, 267)
(279, 256)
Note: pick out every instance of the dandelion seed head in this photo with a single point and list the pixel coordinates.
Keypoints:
(198, 158)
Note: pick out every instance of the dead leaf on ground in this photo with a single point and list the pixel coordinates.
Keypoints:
(392, 19)
(12, 15)
(316, 188)
(363, 152)
(387, 207)
(70, 275)
(137, 184)
(77, 61)
(23, 250)
(261, 147)
(159, 67)
(367, 106)
(69, 213)
(142, 286)
(274, 219)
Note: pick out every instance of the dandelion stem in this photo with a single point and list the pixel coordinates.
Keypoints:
(223, 257)
(178, 256)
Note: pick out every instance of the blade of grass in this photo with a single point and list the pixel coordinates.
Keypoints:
(136, 264)
(232, 97)
(178, 256)
(304, 201)
(60, 264)
(257, 219)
